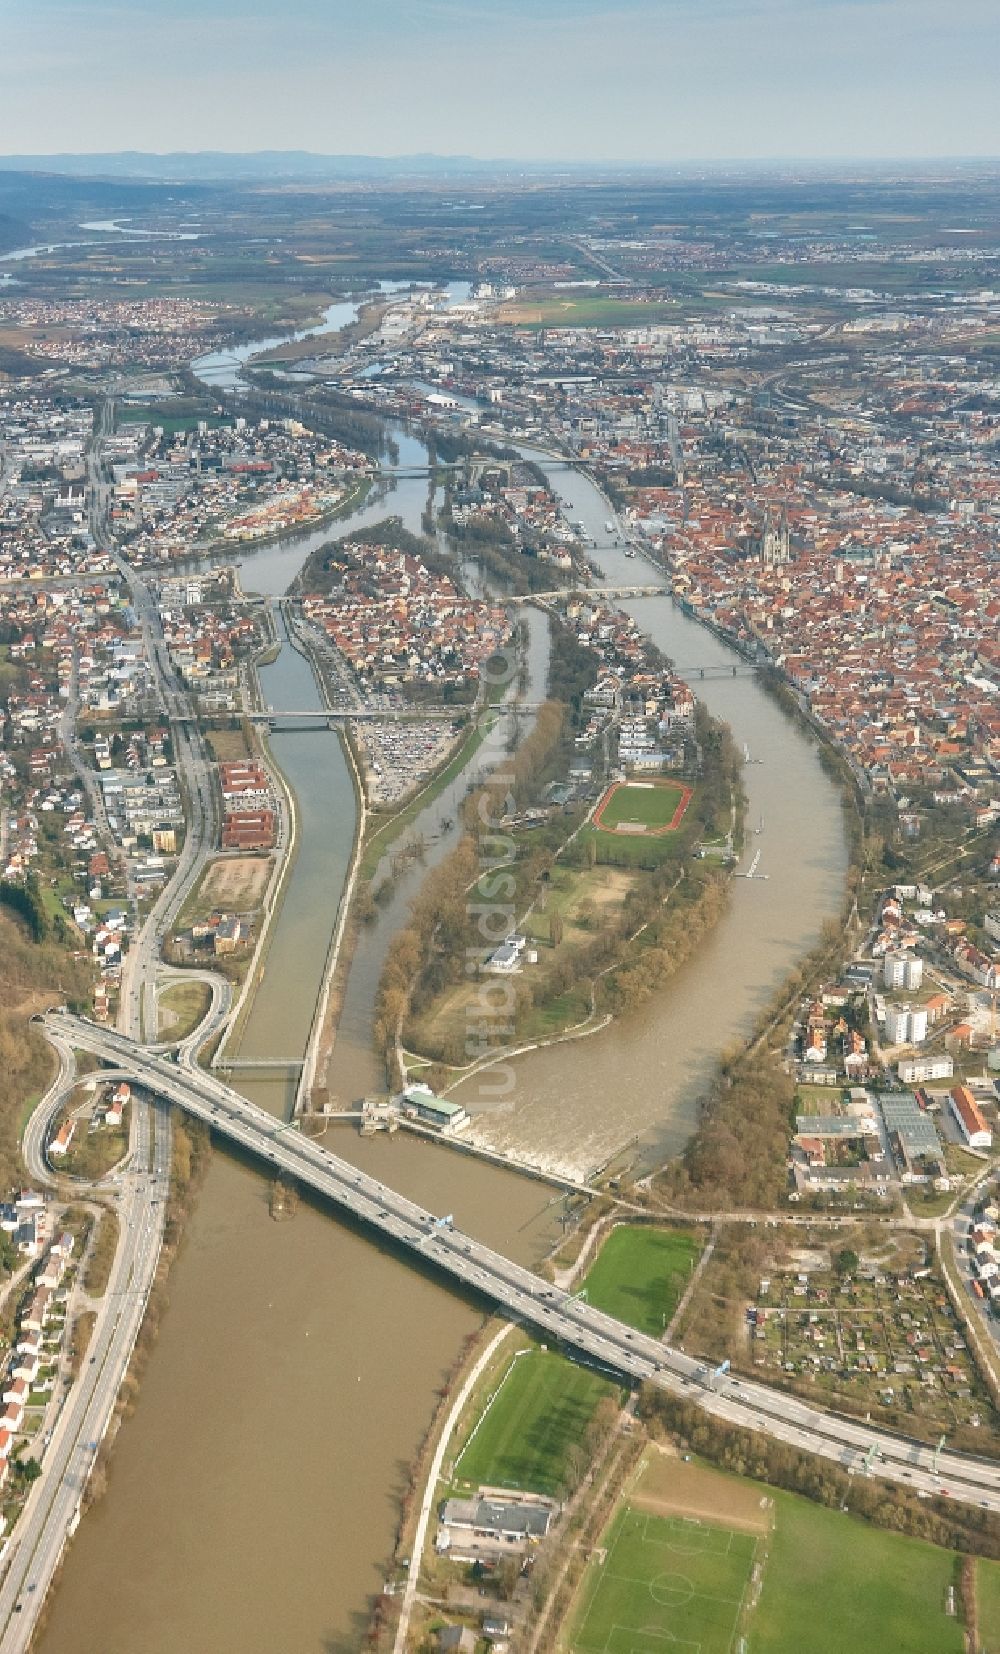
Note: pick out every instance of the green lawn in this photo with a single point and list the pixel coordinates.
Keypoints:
(181, 1008)
(171, 423)
(639, 1275)
(833, 1583)
(539, 1412)
(646, 806)
(597, 311)
(665, 1582)
(988, 1601)
(639, 850)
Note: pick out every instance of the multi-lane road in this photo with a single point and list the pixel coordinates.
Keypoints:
(53, 1506)
(525, 1296)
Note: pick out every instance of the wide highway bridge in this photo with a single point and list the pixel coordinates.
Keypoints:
(557, 1315)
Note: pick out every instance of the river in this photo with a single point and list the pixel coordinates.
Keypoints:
(223, 367)
(574, 1105)
(254, 1492)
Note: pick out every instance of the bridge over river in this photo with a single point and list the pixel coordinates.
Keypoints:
(558, 1316)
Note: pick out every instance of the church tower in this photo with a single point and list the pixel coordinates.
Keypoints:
(775, 542)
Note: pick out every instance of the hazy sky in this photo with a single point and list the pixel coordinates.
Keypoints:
(563, 79)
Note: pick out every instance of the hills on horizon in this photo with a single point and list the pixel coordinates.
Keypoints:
(305, 166)
(211, 165)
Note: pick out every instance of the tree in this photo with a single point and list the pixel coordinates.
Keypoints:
(507, 1575)
(846, 1261)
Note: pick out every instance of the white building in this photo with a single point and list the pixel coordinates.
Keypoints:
(967, 1116)
(913, 972)
(893, 970)
(902, 970)
(506, 959)
(916, 1070)
(905, 1025)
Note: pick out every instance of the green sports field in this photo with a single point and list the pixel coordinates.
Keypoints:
(540, 1410)
(652, 806)
(640, 1273)
(988, 1603)
(664, 1583)
(833, 1583)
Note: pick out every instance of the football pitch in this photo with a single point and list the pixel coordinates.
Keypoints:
(539, 1411)
(642, 807)
(664, 1584)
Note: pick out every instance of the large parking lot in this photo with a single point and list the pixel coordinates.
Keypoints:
(400, 756)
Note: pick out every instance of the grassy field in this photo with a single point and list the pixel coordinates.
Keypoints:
(236, 883)
(671, 1486)
(170, 423)
(652, 806)
(988, 1603)
(584, 899)
(884, 277)
(92, 1154)
(637, 850)
(181, 1008)
(539, 1411)
(665, 1581)
(640, 1274)
(594, 310)
(231, 746)
(712, 1563)
(875, 1589)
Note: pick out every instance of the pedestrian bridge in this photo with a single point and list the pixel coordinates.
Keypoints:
(524, 1296)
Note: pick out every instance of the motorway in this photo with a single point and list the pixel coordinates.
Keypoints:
(525, 1296)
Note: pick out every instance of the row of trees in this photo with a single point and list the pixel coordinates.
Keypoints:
(25, 900)
(32, 972)
(430, 954)
(326, 411)
(941, 1522)
(573, 669)
(737, 1157)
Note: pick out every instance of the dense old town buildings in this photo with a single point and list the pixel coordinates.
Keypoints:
(396, 622)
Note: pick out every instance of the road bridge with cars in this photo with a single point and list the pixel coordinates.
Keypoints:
(587, 1333)
(313, 717)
